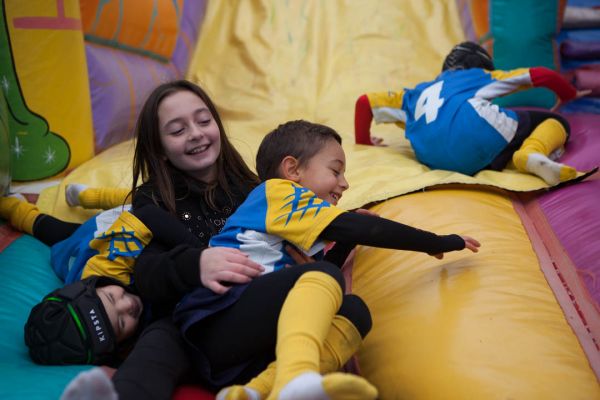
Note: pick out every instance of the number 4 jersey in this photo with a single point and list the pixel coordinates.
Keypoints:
(451, 122)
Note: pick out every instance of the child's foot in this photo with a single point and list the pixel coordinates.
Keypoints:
(334, 386)
(72, 193)
(550, 171)
(93, 384)
(238, 392)
(557, 153)
(18, 196)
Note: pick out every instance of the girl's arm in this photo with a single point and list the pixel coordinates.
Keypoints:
(165, 227)
(374, 231)
(163, 275)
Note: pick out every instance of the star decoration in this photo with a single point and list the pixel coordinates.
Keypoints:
(49, 155)
(17, 148)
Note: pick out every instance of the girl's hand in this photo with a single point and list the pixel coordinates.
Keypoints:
(224, 264)
(298, 256)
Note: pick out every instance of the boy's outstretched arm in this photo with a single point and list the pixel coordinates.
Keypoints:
(545, 77)
(373, 231)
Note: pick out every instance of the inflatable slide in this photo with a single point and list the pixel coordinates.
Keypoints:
(518, 320)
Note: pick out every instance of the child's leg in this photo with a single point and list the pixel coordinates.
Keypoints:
(20, 213)
(532, 157)
(342, 341)
(93, 384)
(219, 340)
(100, 198)
(50, 230)
(304, 323)
(26, 217)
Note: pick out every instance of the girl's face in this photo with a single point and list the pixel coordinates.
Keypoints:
(189, 135)
(324, 173)
(123, 309)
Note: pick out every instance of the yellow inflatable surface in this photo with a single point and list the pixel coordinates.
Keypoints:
(471, 326)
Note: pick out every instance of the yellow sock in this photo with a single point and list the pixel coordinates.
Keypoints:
(342, 341)
(103, 198)
(20, 213)
(532, 157)
(257, 389)
(304, 322)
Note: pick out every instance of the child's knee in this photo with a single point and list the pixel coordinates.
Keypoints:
(356, 311)
(327, 268)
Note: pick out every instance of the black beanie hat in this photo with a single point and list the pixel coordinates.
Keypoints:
(70, 326)
(468, 55)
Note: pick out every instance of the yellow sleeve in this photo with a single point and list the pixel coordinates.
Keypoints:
(387, 106)
(296, 214)
(118, 248)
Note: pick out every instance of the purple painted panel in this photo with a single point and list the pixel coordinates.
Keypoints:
(572, 211)
(193, 16)
(121, 80)
(580, 50)
(119, 84)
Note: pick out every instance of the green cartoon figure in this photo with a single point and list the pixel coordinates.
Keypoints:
(35, 152)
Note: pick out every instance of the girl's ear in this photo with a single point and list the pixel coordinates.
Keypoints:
(290, 169)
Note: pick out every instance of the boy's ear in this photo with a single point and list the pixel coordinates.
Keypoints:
(289, 168)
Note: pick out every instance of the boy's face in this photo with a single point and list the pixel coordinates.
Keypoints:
(324, 173)
(123, 309)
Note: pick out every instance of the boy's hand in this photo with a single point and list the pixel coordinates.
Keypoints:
(298, 256)
(364, 211)
(579, 94)
(377, 141)
(582, 93)
(470, 244)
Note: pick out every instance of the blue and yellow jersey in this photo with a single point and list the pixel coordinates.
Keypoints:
(451, 122)
(275, 213)
(107, 244)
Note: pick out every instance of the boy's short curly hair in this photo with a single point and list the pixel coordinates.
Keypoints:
(468, 55)
(299, 139)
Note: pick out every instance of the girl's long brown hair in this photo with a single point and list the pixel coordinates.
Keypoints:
(149, 163)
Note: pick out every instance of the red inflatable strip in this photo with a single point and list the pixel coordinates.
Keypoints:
(560, 272)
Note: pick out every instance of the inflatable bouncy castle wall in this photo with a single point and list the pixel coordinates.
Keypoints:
(75, 73)
(518, 320)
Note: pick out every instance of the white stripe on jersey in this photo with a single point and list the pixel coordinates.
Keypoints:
(388, 114)
(504, 124)
(501, 87)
